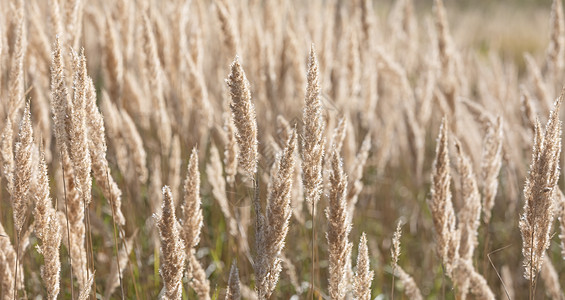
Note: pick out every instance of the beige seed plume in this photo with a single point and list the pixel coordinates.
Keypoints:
(23, 170)
(48, 230)
(97, 146)
(271, 234)
(59, 97)
(541, 184)
(155, 76)
(7, 153)
(313, 134)
(133, 139)
(172, 248)
(364, 275)
(233, 292)
(16, 80)
(77, 129)
(244, 118)
(470, 213)
(490, 166)
(463, 271)
(556, 47)
(85, 291)
(231, 152)
(191, 211)
(440, 203)
(338, 230)
(410, 288)
(191, 225)
(113, 60)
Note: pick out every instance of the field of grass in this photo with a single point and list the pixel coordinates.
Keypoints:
(281, 149)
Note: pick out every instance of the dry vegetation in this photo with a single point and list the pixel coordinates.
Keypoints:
(300, 128)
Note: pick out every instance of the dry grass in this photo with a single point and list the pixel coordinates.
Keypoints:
(108, 105)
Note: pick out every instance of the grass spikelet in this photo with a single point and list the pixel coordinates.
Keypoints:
(364, 275)
(313, 134)
(338, 230)
(233, 290)
(23, 171)
(172, 248)
(16, 80)
(231, 152)
(470, 213)
(244, 118)
(191, 225)
(272, 235)
(440, 203)
(48, 230)
(490, 166)
(541, 184)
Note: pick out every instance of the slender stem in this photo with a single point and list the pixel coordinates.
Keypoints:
(17, 260)
(532, 266)
(392, 289)
(115, 234)
(312, 276)
(485, 249)
(68, 227)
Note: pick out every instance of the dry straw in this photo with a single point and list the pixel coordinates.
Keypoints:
(540, 187)
(172, 248)
(243, 112)
(338, 230)
(272, 226)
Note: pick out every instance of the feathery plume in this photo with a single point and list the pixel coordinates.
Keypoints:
(59, 97)
(364, 275)
(232, 291)
(338, 230)
(135, 145)
(440, 203)
(113, 60)
(191, 211)
(244, 118)
(77, 129)
(23, 170)
(172, 248)
(541, 184)
(191, 225)
(231, 152)
(490, 166)
(48, 230)
(556, 47)
(313, 134)
(16, 80)
(410, 288)
(470, 213)
(7, 154)
(85, 291)
(272, 233)
(97, 147)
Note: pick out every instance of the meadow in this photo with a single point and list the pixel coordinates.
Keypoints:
(281, 149)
